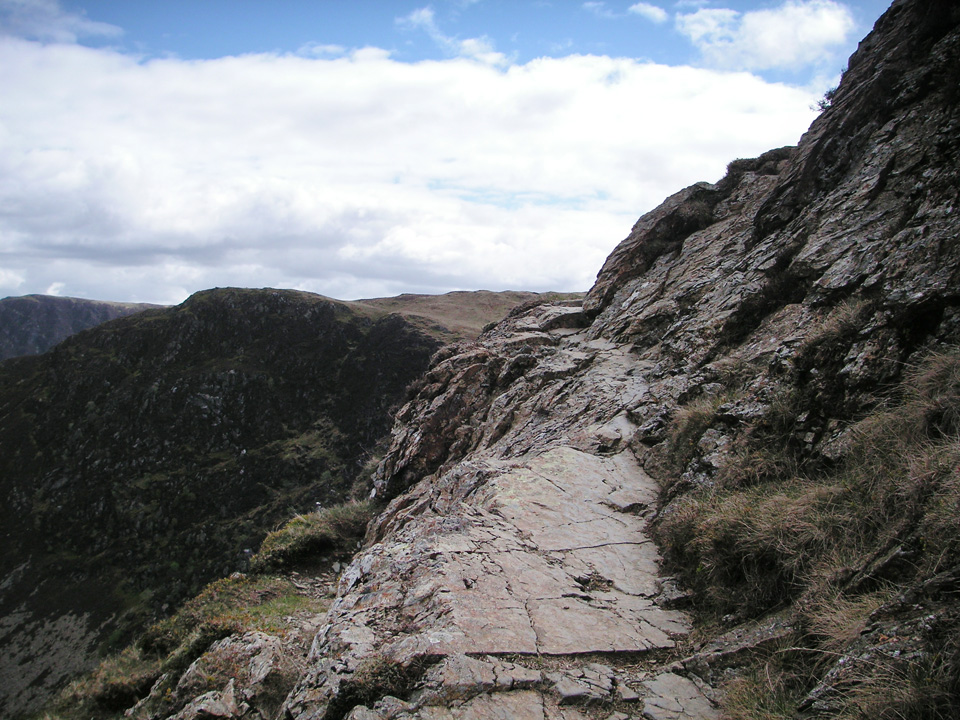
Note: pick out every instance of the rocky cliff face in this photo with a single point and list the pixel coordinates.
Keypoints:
(738, 350)
(513, 573)
(33, 324)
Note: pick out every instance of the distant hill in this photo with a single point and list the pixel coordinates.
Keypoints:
(458, 315)
(32, 324)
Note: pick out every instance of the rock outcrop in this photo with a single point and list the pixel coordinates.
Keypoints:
(512, 574)
(516, 578)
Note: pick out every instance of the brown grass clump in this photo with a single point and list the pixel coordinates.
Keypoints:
(771, 540)
(764, 693)
(902, 689)
(115, 685)
(375, 678)
(686, 428)
(841, 544)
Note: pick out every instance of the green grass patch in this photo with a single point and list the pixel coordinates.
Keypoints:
(337, 528)
(233, 605)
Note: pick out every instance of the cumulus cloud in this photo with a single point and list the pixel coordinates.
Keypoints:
(46, 20)
(352, 175)
(652, 13)
(646, 10)
(798, 33)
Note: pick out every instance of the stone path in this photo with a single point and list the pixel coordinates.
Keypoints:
(513, 587)
(548, 558)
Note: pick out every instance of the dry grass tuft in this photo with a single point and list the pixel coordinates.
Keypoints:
(844, 542)
(902, 689)
(761, 694)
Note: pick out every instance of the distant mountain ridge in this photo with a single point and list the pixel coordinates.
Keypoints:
(32, 324)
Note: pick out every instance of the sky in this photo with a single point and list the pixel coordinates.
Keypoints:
(357, 148)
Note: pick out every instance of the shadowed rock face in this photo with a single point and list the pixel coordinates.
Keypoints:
(33, 324)
(864, 207)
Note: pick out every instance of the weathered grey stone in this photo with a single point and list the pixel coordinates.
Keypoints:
(673, 697)
(590, 684)
(739, 644)
(571, 690)
(213, 705)
(541, 553)
(627, 693)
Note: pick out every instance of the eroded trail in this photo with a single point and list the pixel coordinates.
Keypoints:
(517, 580)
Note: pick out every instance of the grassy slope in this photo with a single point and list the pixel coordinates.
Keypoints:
(854, 549)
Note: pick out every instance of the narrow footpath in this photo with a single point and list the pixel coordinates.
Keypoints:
(519, 582)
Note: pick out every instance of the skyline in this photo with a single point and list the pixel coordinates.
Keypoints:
(383, 147)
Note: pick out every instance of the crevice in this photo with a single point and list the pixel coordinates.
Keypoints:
(375, 678)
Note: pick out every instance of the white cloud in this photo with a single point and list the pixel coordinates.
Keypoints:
(46, 20)
(480, 49)
(599, 9)
(650, 12)
(10, 279)
(313, 49)
(798, 33)
(352, 176)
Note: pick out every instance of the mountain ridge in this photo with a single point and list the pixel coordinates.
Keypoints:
(32, 324)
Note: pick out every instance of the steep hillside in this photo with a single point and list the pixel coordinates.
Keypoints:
(726, 483)
(139, 460)
(33, 324)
